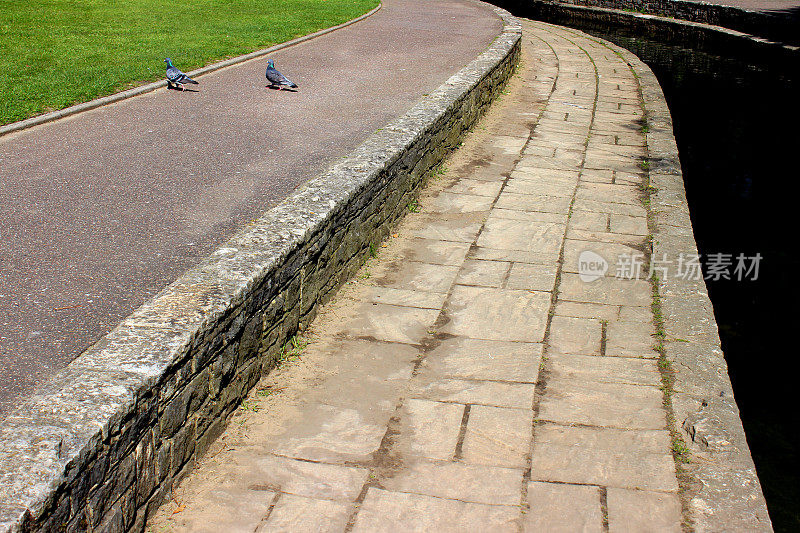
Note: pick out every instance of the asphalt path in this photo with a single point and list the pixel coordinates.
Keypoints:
(102, 210)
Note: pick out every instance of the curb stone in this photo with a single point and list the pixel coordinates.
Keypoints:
(100, 445)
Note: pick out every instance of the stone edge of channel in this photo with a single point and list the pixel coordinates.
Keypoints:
(729, 495)
(101, 444)
(762, 25)
(706, 34)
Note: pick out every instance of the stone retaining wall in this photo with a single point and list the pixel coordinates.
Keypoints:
(779, 26)
(695, 35)
(102, 444)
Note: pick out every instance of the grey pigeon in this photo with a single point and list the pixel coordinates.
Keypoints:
(276, 79)
(176, 78)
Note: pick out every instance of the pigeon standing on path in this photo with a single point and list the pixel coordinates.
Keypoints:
(276, 79)
(176, 78)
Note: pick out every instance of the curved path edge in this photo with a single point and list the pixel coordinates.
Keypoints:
(101, 444)
(760, 23)
(143, 89)
(703, 34)
(723, 489)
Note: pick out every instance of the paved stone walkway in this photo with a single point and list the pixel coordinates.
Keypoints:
(469, 380)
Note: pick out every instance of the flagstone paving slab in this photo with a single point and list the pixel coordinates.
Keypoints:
(236, 510)
(484, 360)
(450, 202)
(430, 429)
(563, 508)
(471, 377)
(619, 405)
(483, 273)
(492, 393)
(605, 369)
(497, 436)
(516, 256)
(575, 335)
(606, 291)
(334, 434)
(504, 234)
(436, 252)
(384, 511)
(531, 277)
(489, 485)
(403, 297)
(296, 513)
(634, 510)
(392, 323)
(590, 466)
(414, 276)
(497, 314)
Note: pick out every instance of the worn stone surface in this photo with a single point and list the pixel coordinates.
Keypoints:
(467, 358)
(296, 513)
(633, 510)
(457, 481)
(560, 507)
(430, 429)
(515, 315)
(575, 401)
(392, 511)
(497, 436)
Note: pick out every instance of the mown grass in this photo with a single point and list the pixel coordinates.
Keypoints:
(56, 53)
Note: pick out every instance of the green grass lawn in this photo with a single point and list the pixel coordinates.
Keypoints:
(56, 53)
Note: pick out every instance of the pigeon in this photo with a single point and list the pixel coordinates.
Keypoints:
(176, 78)
(276, 79)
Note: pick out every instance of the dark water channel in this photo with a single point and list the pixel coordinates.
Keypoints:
(737, 124)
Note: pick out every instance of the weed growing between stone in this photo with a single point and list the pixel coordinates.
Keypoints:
(292, 350)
